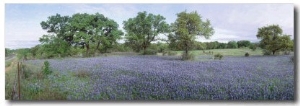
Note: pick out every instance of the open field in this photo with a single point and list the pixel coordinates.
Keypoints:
(139, 77)
(228, 52)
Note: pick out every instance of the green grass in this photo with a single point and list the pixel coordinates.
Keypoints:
(8, 63)
(31, 77)
(227, 52)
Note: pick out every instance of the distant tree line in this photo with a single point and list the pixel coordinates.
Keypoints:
(87, 35)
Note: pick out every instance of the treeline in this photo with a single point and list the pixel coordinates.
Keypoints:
(87, 35)
(91, 34)
(39, 50)
(220, 45)
(9, 52)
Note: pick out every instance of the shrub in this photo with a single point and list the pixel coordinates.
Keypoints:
(189, 56)
(247, 54)
(26, 72)
(218, 56)
(252, 47)
(46, 68)
(149, 52)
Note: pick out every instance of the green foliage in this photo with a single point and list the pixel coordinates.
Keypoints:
(7, 63)
(84, 30)
(252, 47)
(200, 46)
(46, 68)
(247, 54)
(185, 29)
(232, 44)
(162, 47)
(272, 39)
(243, 43)
(8, 52)
(222, 46)
(143, 29)
(23, 53)
(212, 45)
(27, 73)
(266, 52)
(218, 56)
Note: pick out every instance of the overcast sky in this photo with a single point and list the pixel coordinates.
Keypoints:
(230, 21)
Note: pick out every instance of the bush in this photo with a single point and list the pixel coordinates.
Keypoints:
(247, 54)
(172, 53)
(26, 72)
(149, 52)
(46, 68)
(252, 47)
(218, 56)
(189, 56)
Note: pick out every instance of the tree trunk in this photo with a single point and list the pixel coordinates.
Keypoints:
(273, 52)
(185, 56)
(186, 53)
(98, 44)
(87, 50)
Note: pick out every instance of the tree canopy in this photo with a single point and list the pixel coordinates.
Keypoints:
(80, 29)
(143, 29)
(272, 39)
(186, 27)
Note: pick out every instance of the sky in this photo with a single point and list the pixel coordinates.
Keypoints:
(230, 21)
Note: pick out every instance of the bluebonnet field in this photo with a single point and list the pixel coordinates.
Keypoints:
(168, 78)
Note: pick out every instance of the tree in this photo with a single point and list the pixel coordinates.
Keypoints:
(272, 39)
(23, 53)
(57, 26)
(232, 44)
(212, 45)
(85, 30)
(53, 46)
(222, 46)
(253, 46)
(200, 46)
(189, 25)
(59, 40)
(89, 29)
(143, 29)
(243, 43)
(7, 52)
